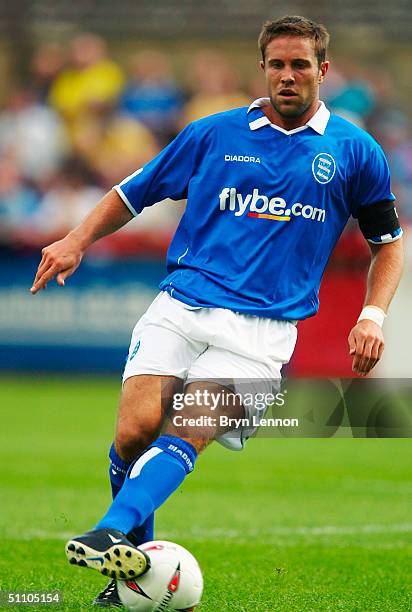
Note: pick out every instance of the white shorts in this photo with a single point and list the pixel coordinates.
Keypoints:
(175, 339)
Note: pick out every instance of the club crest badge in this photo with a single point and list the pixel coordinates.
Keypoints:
(323, 168)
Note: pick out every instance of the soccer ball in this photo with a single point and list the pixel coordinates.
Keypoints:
(173, 582)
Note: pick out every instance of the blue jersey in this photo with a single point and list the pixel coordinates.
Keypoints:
(265, 207)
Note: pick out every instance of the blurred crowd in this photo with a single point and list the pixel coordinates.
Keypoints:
(81, 122)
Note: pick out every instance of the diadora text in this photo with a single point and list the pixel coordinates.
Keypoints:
(242, 158)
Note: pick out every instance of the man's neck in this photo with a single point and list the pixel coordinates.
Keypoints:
(294, 122)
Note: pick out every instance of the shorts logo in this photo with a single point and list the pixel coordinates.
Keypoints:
(323, 168)
(136, 348)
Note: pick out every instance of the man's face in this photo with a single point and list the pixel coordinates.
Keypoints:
(293, 77)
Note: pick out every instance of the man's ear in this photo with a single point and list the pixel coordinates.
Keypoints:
(324, 67)
(262, 64)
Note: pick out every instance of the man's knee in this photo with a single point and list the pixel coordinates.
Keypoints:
(142, 407)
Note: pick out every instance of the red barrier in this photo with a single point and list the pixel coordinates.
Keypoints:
(322, 348)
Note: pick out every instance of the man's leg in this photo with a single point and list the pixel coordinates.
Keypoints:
(160, 470)
(156, 474)
(144, 401)
(118, 469)
(130, 444)
(109, 596)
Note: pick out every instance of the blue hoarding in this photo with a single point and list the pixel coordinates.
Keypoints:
(83, 327)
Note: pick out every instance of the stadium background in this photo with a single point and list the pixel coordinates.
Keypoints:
(91, 91)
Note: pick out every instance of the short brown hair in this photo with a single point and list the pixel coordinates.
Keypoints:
(294, 25)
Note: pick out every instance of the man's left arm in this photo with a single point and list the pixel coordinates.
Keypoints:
(366, 341)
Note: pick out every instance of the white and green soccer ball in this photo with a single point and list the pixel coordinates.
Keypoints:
(173, 582)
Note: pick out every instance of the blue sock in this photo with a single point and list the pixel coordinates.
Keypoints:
(117, 474)
(117, 470)
(143, 533)
(152, 478)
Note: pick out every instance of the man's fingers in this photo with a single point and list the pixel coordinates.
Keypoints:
(49, 273)
(373, 356)
(366, 355)
(367, 365)
(372, 352)
(61, 277)
(366, 345)
(358, 352)
(46, 277)
(43, 266)
(60, 258)
(52, 265)
(352, 343)
(39, 280)
(376, 353)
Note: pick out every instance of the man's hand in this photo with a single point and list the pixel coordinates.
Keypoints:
(366, 343)
(61, 258)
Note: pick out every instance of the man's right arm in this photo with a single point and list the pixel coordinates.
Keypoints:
(166, 176)
(63, 257)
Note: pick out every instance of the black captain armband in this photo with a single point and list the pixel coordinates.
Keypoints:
(379, 222)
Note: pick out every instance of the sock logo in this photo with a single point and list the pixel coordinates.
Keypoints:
(183, 455)
(116, 469)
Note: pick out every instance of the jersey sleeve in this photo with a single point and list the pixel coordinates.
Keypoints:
(372, 198)
(372, 180)
(166, 176)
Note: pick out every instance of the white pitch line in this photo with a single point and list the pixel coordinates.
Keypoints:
(240, 534)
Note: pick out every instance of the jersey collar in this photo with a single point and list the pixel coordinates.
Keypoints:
(318, 122)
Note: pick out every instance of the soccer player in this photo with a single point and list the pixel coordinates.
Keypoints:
(269, 190)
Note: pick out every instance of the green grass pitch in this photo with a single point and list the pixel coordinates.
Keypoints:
(286, 525)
